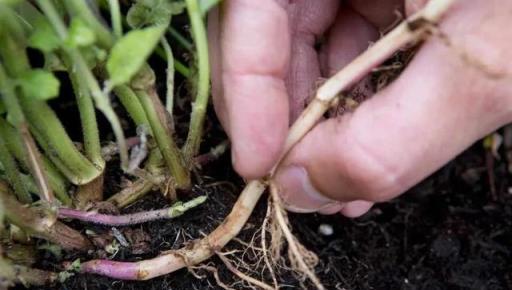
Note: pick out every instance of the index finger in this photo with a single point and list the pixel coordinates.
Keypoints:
(251, 40)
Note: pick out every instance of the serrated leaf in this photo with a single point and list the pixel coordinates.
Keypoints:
(43, 37)
(80, 34)
(131, 52)
(153, 12)
(206, 5)
(39, 84)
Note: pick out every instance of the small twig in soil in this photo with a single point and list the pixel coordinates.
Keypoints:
(174, 211)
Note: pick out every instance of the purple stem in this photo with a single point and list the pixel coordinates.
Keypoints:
(115, 220)
(134, 218)
(113, 269)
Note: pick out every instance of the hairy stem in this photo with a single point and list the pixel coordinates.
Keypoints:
(90, 130)
(40, 224)
(169, 97)
(131, 103)
(52, 136)
(15, 145)
(195, 132)
(13, 107)
(157, 117)
(115, 14)
(174, 211)
(101, 99)
(13, 173)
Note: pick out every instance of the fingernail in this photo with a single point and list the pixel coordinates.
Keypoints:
(299, 194)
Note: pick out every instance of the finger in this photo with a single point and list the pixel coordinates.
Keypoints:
(249, 90)
(380, 13)
(350, 35)
(216, 66)
(356, 208)
(436, 109)
(309, 20)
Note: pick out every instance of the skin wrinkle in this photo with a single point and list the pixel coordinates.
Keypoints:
(309, 20)
(380, 13)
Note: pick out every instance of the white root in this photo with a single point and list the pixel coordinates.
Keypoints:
(296, 251)
(234, 270)
(264, 244)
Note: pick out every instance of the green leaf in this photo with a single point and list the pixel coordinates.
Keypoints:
(11, 23)
(43, 37)
(206, 5)
(39, 84)
(80, 34)
(153, 12)
(130, 53)
(2, 107)
(11, 2)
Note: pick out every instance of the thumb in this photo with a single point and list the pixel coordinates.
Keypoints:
(436, 109)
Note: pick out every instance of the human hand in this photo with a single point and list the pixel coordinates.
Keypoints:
(263, 52)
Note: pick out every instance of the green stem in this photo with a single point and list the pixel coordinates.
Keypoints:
(52, 136)
(15, 146)
(157, 118)
(182, 68)
(101, 99)
(81, 8)
(115, 14)
(13, 107)
(169, 103)
(194, 137)
(178, 65)
(13, 173)
(88, 119)
(181, 39)
(131, 103)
